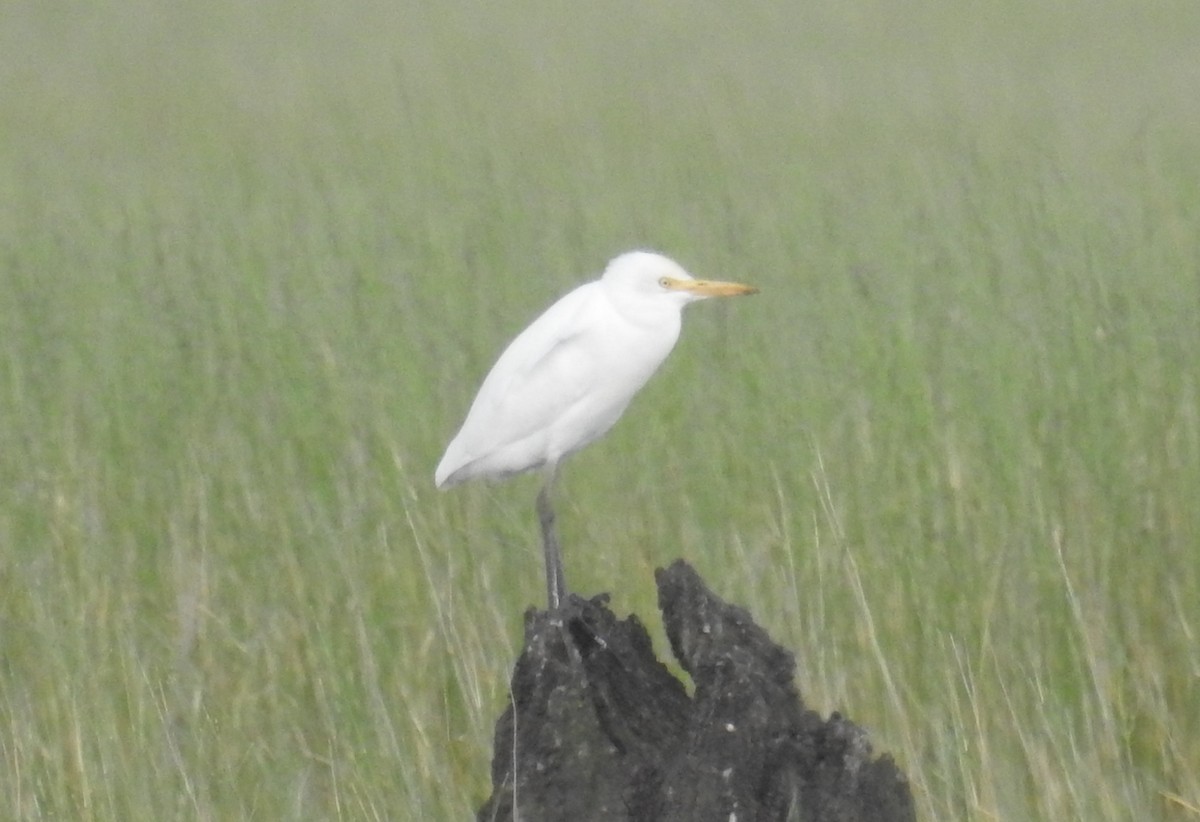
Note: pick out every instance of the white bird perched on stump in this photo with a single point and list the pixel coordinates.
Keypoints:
(564, 381)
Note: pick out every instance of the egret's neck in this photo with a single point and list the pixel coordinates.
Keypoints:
(646, 311)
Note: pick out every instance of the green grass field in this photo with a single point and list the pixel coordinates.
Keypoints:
(256, 258)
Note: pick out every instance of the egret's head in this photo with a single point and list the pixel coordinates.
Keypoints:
(644, 272)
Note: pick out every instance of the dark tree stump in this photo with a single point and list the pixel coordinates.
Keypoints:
(603, 731)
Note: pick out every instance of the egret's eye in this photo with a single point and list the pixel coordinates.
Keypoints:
(665, 282)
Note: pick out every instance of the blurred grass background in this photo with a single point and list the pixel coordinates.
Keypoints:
(255, 260)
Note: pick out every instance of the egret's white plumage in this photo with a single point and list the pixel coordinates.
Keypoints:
(565, 379)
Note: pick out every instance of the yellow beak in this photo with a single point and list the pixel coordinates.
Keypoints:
(709, 288)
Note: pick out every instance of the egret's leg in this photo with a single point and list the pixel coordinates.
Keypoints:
(556, 586)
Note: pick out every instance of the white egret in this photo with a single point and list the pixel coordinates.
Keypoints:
(565, 379)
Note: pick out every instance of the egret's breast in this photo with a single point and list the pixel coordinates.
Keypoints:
(604, 380)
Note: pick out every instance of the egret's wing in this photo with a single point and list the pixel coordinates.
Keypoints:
(536, 355)
(542, 373)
